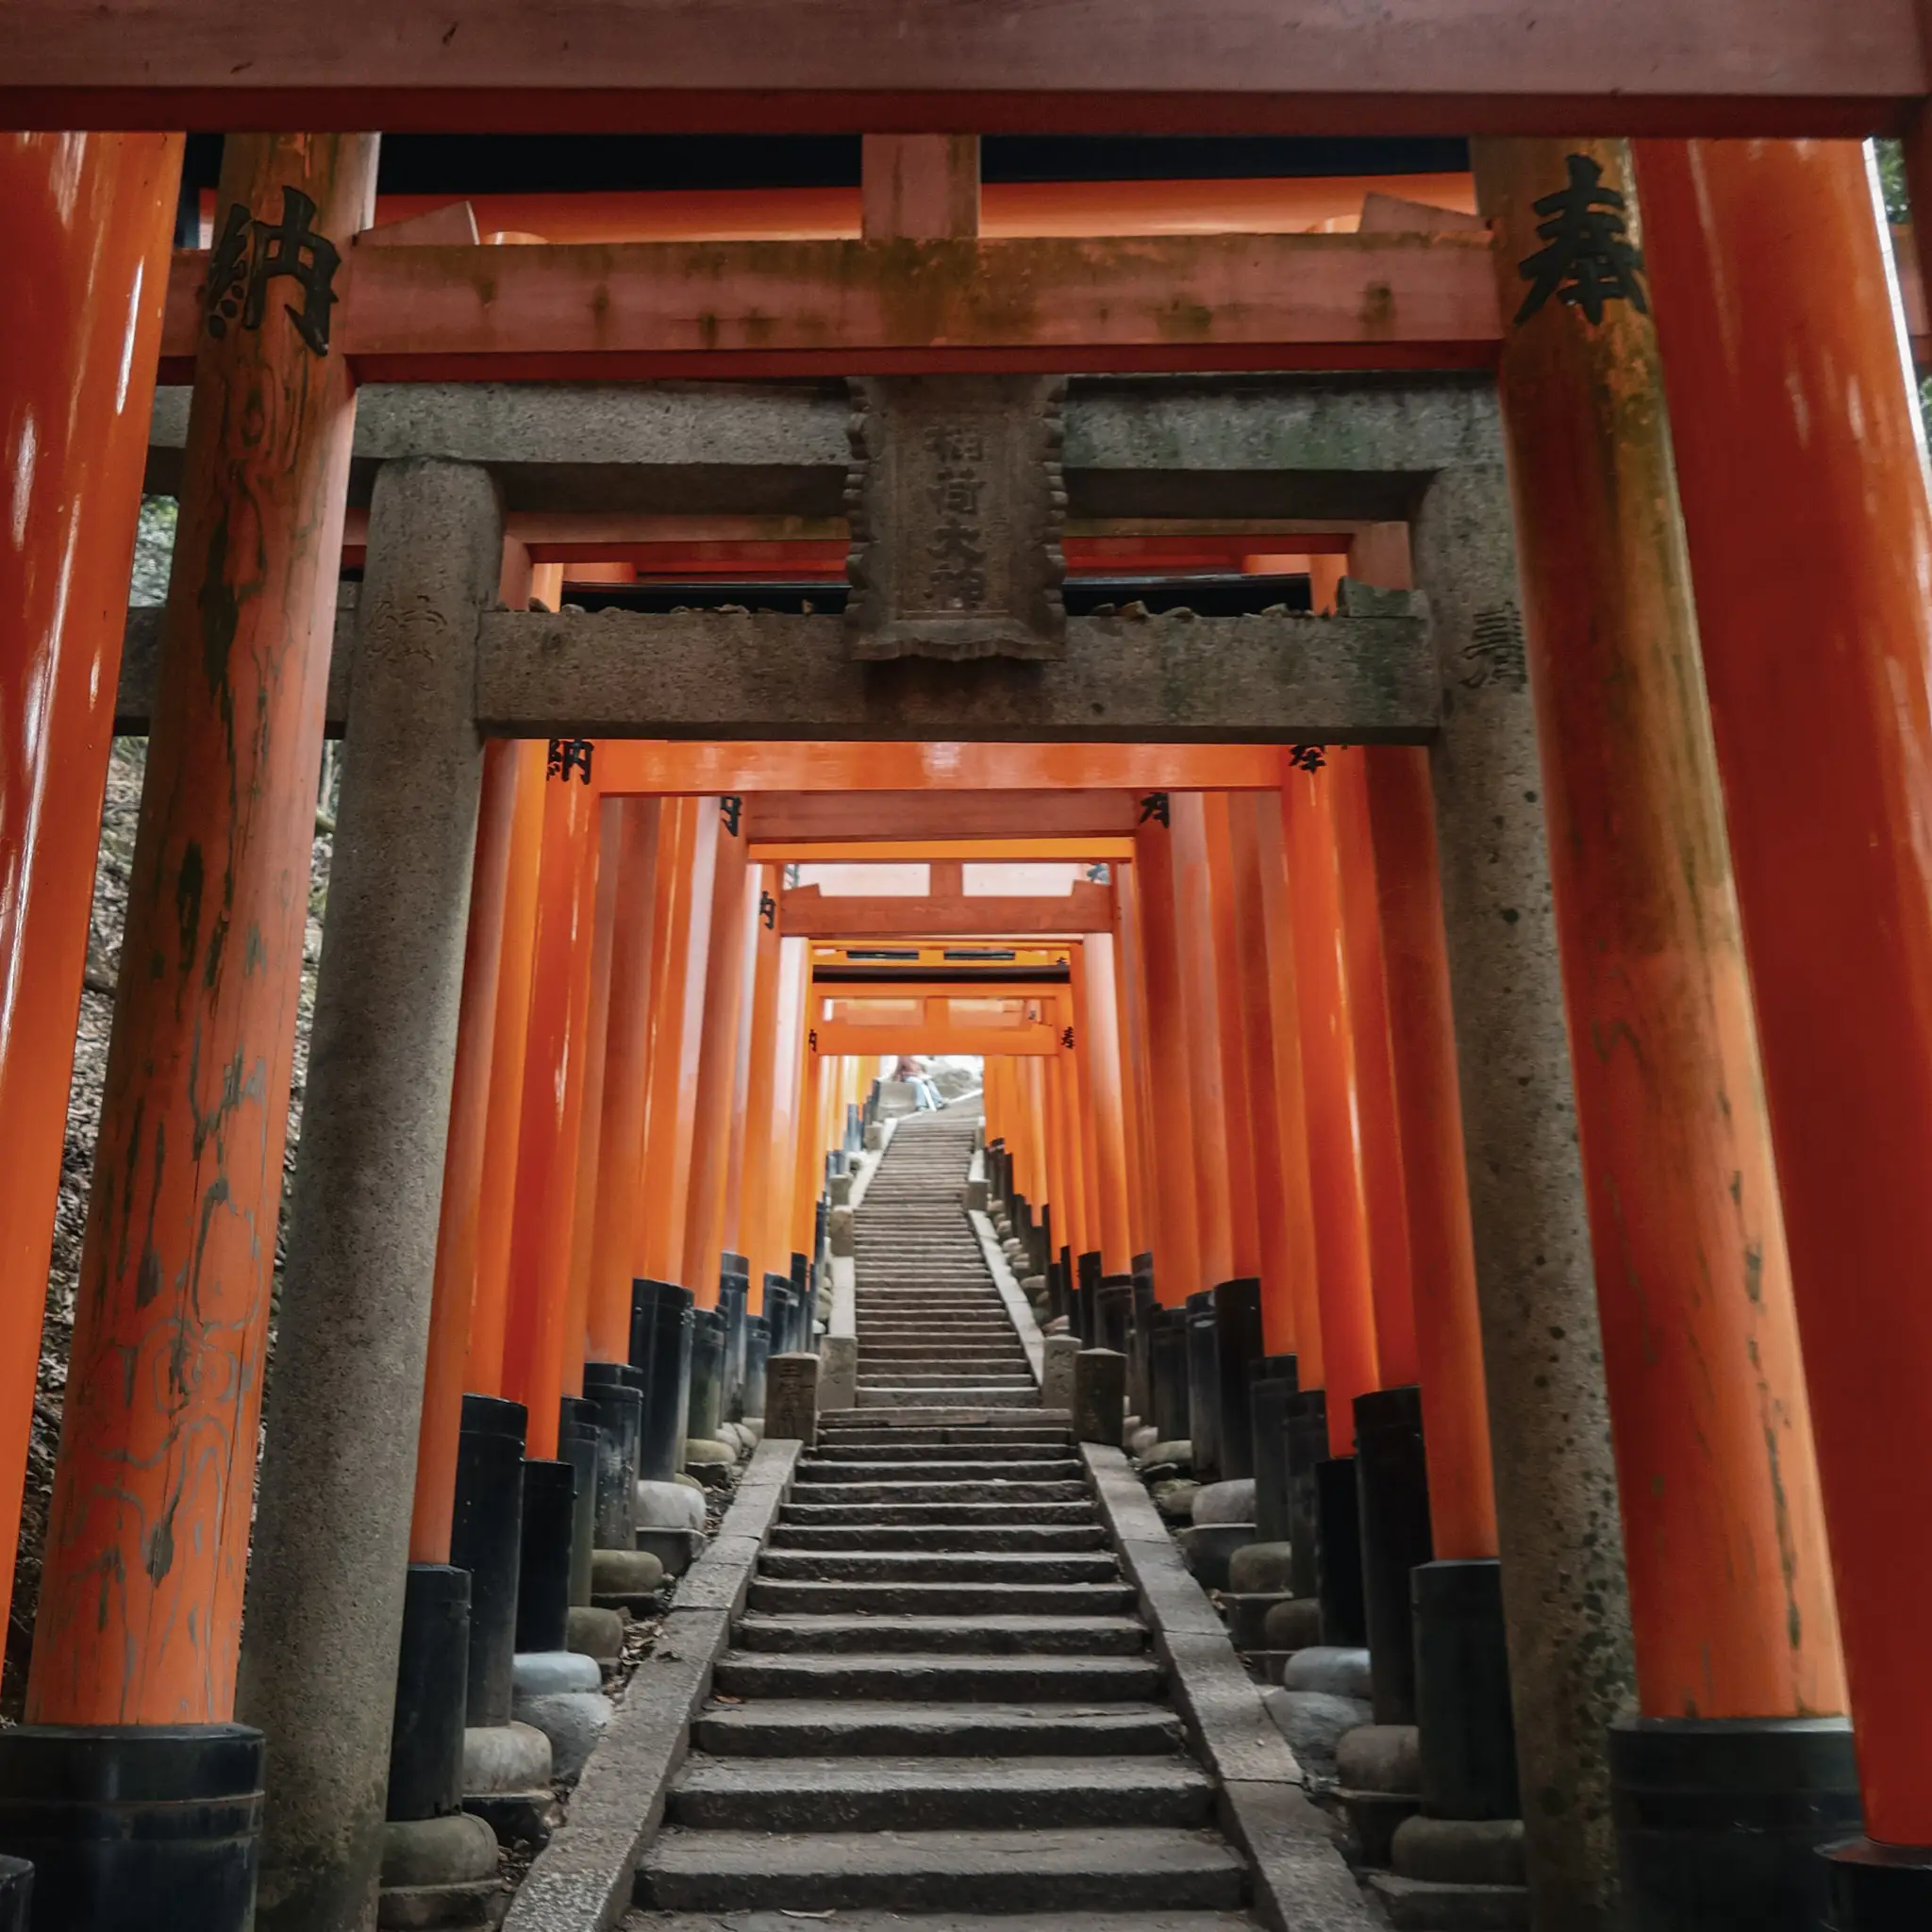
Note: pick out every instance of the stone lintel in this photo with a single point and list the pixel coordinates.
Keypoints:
(1176, 679)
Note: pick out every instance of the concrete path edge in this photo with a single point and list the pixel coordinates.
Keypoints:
(582, 1880)
(1300, 1880)
(1019, 1309)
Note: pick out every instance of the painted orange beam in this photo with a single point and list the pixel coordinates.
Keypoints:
(78, 337)
(845, 1037)
(992, 66)
(809, 914)
(824, 818)
(639, 311)
(885, 849)
(665, 766)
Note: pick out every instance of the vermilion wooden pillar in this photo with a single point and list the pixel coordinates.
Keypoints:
(536, 1342)
(1383, 1191)
(1131, 1009)
(676, 1039)
(1329, 1085)
(1291, 1316)
(806, 1184)
(1077, 1015)
(79, 332)
(1455, 1424)
(717, 1066)
(147, 1540)
(1784, 367)
(587, 1072)
(626, 1078)
(1244, 1185)
(453, 1294)
(510, 1035)
(1177, 1265)
(1109, 1151)
(761, 1111)
(1216, 1183)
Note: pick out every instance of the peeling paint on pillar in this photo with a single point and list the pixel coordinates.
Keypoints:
(147, 1543)
(1561, 1539)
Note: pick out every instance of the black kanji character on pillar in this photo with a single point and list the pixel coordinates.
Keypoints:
(249, 255)
(731, 808)
(1306, 758)
(568, 755)
(1067, 1039)
(1154, 805)
(1589, 259)
(767, 911)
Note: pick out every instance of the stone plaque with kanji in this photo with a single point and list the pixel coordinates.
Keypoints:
(957, 500)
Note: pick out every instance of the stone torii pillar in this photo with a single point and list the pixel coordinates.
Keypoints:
(325, 1592)
(1563, 1589)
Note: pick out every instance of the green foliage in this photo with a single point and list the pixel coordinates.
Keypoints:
(1891, 174)
(154, 550)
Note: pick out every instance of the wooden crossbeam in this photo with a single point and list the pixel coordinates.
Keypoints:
(844, 1037)
(635, 310)
(888, 851)
(776, 819)
(1762, 66)
(1175, 678)
(805, 912)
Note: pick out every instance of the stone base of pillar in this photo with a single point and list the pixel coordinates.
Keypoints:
(1879, 1888)
(506, 1771)
(1718, 1820)
(439, 1871)
(135, 1828)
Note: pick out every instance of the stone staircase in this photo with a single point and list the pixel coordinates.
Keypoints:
(941, 1702)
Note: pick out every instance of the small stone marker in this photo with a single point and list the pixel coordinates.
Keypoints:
(839, 1232)
(1057, 1371)
(1100, 1395)
(792, 1399)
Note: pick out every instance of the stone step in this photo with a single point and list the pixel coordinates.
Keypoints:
(931, 1675)
(941, 1566)
(962, 1597)
(1095, 1869)
(841, 1426)
(986, 1490)
(939, 1535)
(945, 1921)
(961, 1469)
(900, 1376)
(961, 1633)
(846, 1454)
(802, 1726)
(965, 1359)
(956, 1415)
(913, 1396)
(831, 1515)
(1031, 1795)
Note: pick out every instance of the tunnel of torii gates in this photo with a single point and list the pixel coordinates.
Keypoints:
(1520, 974)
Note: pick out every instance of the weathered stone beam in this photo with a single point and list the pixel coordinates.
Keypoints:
(1762, 67)
(141, 655)
(1176, 678)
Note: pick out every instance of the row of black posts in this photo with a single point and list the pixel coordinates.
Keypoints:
(524, 1529)
(1356, 1525)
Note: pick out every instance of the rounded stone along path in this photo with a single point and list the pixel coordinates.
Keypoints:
(941, 1710)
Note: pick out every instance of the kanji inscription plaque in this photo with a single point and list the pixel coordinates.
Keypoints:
(957, 501)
